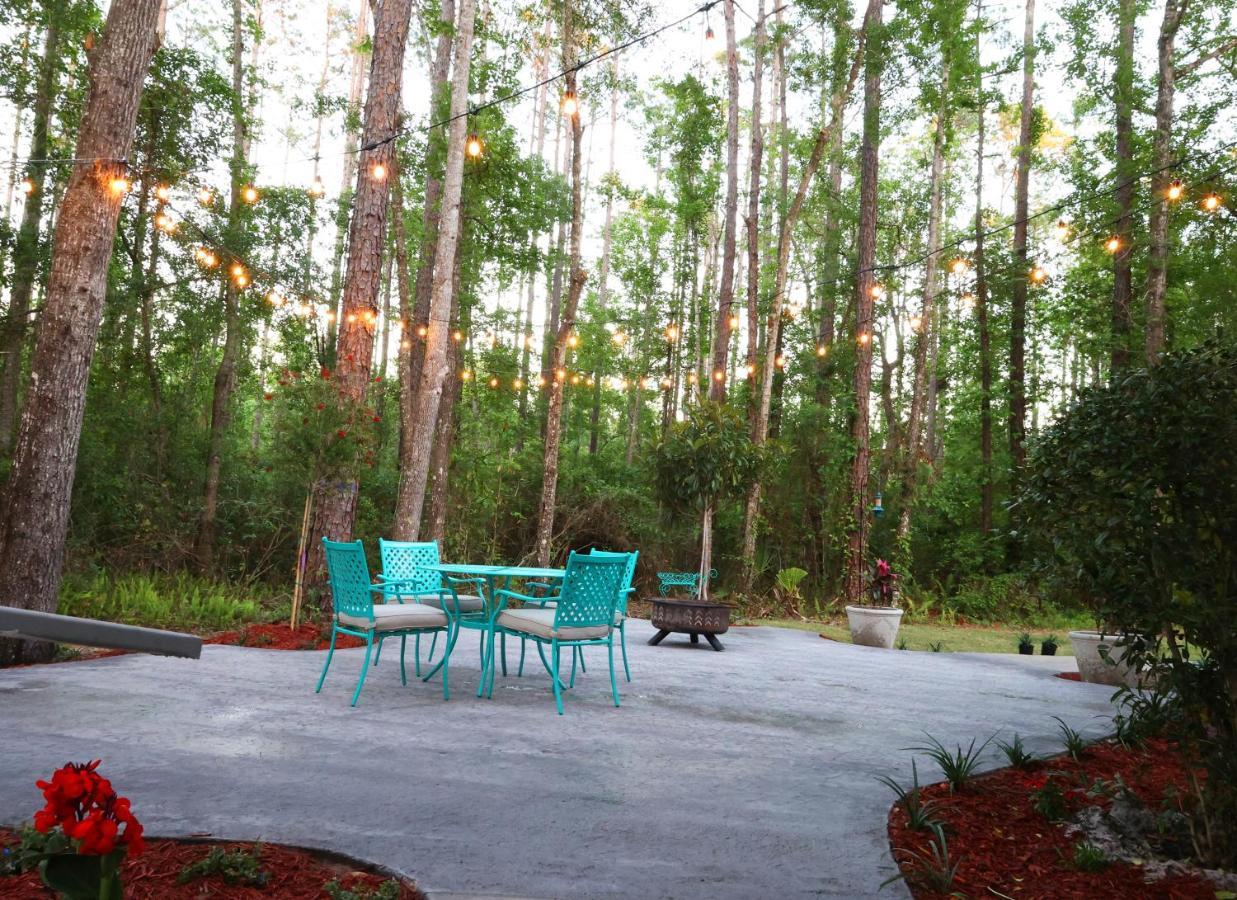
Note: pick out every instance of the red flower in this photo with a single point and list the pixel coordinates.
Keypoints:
(321, 406)
(87, 809)
(341, 433)
(325, 372)
(268, 396)
(377, 378)
(377, 418)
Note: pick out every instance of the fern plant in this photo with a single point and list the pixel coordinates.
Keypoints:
(957, 765)
(935, 868)
(1017, 754)
(1075, 744)
(918, 811)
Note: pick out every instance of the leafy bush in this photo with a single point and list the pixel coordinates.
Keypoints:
(957, 765)
(234, 866)
(1017, 754)
(157, 600)
(388, 890)
(1129, 502)
(918, 811)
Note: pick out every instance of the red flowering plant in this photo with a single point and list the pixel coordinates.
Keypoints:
(321, 431)
(884, 587)
(81, 835)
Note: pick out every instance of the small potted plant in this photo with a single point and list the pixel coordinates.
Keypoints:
(1026, 646)
(1048, 647)
(876, 624)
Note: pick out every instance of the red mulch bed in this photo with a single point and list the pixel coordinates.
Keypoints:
(293, 873)
(1069, 676)
(278, 636)
(1005, 845)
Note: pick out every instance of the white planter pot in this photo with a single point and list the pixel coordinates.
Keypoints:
(1093, 667)
(874, 626)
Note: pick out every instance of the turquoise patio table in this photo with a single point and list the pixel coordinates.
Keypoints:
(489, 615)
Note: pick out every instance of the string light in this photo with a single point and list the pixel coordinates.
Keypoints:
(719, 375)
(877, 291)
(205, 196)
(27, 186)
(457, 335)
(275, 299)
(821, 349)
(330, 315)
(1113, 244)
(422, 331)
(665, 383)
(780, 362)
(589, 382)
(645, 383)
(493, 382)
(709, 36)
(1175, 190)
(405, 344)
(474, 146)
(1211, 202)
(305, 310)
(864, 337)
(622, 384)
(672, 332)
(691, 377)
(619, 338)
(465, 375)
(570, 104)
(560, 375)
(968, 301)
(206, 258)
(916, 322)
(317, 188)
(959, 265)
(517, 384)
(165, 223)
(575, 379)
(378, 171)
(1038, 275)
(540, 381)
(249, 194)
(573, 340)
(750, 369)
(163, 192)
(1061, 230)
(120, 185)
(350, 318)
(734, 322)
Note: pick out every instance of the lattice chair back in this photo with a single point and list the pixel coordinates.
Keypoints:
(590, 591)
(406, 561)
(348, 574)
(629, 573)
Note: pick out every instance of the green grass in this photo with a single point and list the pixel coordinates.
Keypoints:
(956, 638)
(180, 601)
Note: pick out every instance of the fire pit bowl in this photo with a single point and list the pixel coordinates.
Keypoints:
(691, 617)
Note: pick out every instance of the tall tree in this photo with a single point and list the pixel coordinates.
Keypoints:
(335, 496)
(567, 317)
(233, 326)
(725, 294)
(416, 311)
(866, 289)
(434, 368)
(1018, 306)
(26, 247)
(981, 301)
(1122, 261)
(34, 505)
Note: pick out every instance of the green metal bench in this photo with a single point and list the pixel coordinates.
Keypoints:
(668, 581)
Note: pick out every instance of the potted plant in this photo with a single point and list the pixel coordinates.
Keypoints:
(876, 624)
(1026, 646)
(1048, 647)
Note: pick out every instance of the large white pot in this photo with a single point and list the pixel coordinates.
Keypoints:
(874, 626)
(1093, 667)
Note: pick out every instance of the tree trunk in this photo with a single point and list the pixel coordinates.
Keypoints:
(412, 480)
(754, 162)
(444, 434)
(706, 551)
(927, 314)
(1018, 306)
(336, 494)
(981, 314)
(26, 247)
(1161, 149)
(725, 294)
(225, 376)
(604, 285)
(554, 412)
(35, 501)
(865, 282)
(1123, 94)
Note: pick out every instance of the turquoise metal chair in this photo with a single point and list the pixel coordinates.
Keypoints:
(620, 618)
(405, 562)
(356, 614)
(583, 615)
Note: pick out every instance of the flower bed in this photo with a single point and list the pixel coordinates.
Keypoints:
(278, 636)
(156, 873)
(1005, 846)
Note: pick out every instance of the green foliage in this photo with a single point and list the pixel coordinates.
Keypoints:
(705, 458)
(388, 890)
(918, 811)
(233, 866)
(1017, 754)
(1128, 502)
(957, 765)
(936, 869)
(1075, 744)
(1025, 644)
(1089, 858)
(179, 600)
(1049, 801)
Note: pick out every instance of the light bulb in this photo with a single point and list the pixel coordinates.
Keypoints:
(378, 171)
(864, 337)
(493, 382)
(719, 375)
(457, 336)
(422, 331)
(317, 188)
(570, 104)
(709, 36)
(958, 266)
(1211, 202)
(163, 192)
(916, 322)
(164, 223)
(821, 350)
(205, 196)
(573, 340)
(517, 384)
(672, 333)
(1113, 244)
(120, 185)
(249, 194)
(733, 322)
(1175, 190)
(27, 186)
(1038, 275)
(474, 147)
(1061, 230)
(274, 299)
(619, 338)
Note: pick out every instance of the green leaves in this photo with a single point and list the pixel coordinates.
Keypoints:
(707, 458)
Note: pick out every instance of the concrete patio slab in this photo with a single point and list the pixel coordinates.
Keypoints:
(748, 773)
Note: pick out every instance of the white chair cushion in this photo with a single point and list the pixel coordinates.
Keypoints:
(468, 602)
(397, 616)
(531, 620)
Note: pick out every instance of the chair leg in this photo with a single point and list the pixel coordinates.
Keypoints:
(583, 668)
(416, 652)
(403, 644)
(520, 671)
(433, 644)
(623, 644)
(558, 691)
(613, 681)
(490, 692)
(446, 658)
(369, 646)
(503, 650)
(378, 655)
(575, 655)
(329, 654)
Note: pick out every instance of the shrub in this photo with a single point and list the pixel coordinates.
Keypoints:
(1128, 502)
(1017, 754)
(957, 765)
(234, 866)
(918, 811)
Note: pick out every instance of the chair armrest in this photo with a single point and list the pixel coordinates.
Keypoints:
(502, 596)
(397, 590)
(477, 581)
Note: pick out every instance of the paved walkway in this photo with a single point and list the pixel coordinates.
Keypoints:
(749, 773)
